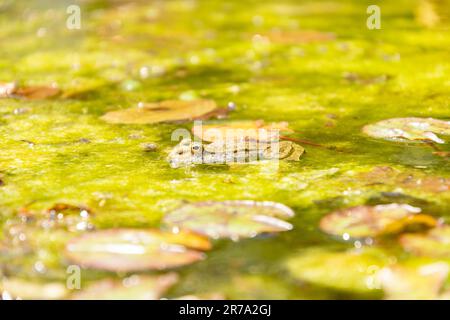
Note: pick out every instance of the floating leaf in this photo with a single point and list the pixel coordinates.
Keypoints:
(165, 111)
(17, 288)
(413, 283)
(240, 130)
(136, 249)
(350, 271)
(13, 90)
(373, 221)
(436, 243)
(219, 113)
(409, 180)
(231, 219)
(296, 37)
(403, 129)
(423, 182)
(37, 93)
(136, 287)
(67, 208)
(59, 216)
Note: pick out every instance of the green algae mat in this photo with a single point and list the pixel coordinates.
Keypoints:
(104, 195)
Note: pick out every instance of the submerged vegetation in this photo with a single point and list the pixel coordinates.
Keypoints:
(355, 204)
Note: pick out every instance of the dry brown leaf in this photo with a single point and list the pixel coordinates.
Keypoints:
(164, 111)
(12, 90)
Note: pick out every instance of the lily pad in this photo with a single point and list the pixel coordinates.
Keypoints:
(135, 249)
(413, 283)
(240, 131)
(136, 287)
(349, 271)
(74, 218)
(373, 221)
(231, 219)
(404, 129)
(409, 180)
(17, 288)
(436, 243)
(164, 111)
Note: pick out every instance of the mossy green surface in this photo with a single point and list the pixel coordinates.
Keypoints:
(59, 151)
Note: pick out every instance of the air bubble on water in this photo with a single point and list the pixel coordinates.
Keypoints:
(130, 85)
(22, 236)
(84, 214)
(175, 230)
(144, 72)
(231, 106)
(40, 267)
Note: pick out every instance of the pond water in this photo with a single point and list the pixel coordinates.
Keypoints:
(314, 64)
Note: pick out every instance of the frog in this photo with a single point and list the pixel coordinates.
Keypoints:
(190, 152)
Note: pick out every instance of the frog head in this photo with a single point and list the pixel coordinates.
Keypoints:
(186, 153)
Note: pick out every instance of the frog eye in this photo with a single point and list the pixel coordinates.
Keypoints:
(196, 148)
